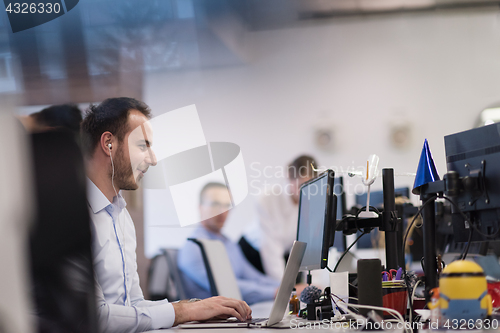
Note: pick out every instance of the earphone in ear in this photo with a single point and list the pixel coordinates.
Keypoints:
(109, 146)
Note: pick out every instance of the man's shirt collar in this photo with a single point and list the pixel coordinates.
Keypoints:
(212, 235)
(98, 201)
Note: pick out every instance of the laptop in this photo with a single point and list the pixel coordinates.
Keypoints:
(280, 303)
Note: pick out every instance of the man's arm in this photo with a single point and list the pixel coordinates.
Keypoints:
(121, 318)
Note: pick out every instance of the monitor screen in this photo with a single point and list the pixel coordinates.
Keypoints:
(475, 156)
(317, 207)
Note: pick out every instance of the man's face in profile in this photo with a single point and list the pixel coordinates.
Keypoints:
(135, 154)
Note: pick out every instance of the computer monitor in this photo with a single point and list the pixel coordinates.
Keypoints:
(475, 156)
(317, 214)
(339, 237)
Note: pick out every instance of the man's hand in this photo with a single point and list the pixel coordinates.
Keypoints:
(214, 307)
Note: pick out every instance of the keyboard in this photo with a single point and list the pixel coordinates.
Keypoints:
(255, 320)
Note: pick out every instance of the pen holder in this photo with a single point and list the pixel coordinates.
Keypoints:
(395, 297)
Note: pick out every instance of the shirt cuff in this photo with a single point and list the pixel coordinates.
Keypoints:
(162, 316)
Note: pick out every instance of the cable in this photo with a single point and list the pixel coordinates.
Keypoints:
(466, 249)
(414, 289)
(347, 250)
(404, 244)
(362, 233)
(342, 300)
(419, 211)
(393, 312)
(411, 224)
(346, 309)
(112, 172)
(470, 222)
(411, 299)
(407, 282)
(127, 295)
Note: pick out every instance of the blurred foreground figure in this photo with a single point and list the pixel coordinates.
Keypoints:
(61, 261)
(16, 208)
(67, 116)
(117, 158)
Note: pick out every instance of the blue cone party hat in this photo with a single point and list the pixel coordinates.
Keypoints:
(426, 171)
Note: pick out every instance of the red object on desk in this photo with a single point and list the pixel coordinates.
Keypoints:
(395, 298)
(494, 291)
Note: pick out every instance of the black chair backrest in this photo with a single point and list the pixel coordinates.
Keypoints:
(210, 275)
(164, 279)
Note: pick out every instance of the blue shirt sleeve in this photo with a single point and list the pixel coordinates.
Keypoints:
(190, 262)
(254, 286)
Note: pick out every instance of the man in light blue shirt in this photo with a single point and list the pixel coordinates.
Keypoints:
(117, 158)
(254, 286)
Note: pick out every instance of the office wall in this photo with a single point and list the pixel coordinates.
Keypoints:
(359, 77)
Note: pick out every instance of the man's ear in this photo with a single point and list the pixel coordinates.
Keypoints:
(107, 138)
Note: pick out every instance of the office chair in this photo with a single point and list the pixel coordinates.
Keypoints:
(219, 270)
(164, 279)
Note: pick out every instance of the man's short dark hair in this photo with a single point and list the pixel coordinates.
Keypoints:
(209, 186)
(302, 167)
(111, 115)
(67, 116)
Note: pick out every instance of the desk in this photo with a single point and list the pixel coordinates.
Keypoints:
(292, 328)
(263, 309)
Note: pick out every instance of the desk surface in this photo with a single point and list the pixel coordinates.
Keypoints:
(262, 310)
(288, 324)
(259, 310)
(293, 326)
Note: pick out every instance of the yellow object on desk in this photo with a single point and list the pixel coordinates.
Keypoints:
(463, 292)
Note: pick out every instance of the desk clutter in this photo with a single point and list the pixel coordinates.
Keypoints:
(455, 296)
(463, 297)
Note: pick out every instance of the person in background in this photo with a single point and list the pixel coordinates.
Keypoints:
(254, 286)
(67, 116)
(117, 159)
(269, 240)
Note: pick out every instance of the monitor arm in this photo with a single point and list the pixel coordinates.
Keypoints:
(451, 186)
(387, 221)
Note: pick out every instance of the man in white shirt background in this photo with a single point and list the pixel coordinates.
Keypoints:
(117, 160)
(275, 229)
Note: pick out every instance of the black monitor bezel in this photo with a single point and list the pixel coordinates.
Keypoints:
(466, 151)
(330, 202)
